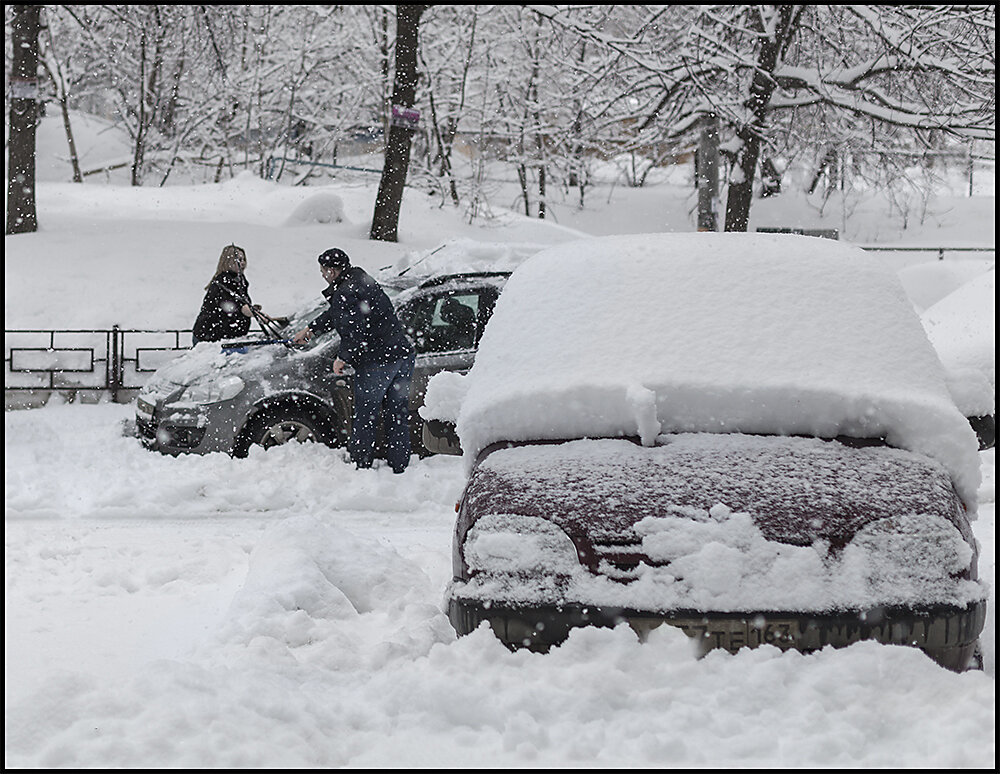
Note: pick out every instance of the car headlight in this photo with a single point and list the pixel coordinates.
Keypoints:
(911, 557)
(505, 543)
(212, 392)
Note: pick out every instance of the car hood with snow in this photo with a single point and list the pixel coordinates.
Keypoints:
(723, 522)
(210, 365)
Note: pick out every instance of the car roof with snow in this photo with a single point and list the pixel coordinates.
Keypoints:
(643, 335)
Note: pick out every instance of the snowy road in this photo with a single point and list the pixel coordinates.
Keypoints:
(285, 611)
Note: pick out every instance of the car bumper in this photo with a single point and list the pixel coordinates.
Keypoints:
(948, 634)
(182, 432)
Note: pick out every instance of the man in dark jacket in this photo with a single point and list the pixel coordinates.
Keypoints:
(372, 342)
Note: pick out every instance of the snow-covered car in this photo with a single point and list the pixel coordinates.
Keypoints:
(260, 390)
(746, 436)
(962, 327)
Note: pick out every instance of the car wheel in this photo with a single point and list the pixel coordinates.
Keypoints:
(278, 426)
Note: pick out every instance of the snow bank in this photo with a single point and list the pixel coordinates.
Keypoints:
(661, 333)
(320, 208)
(928, 282)
(962, 326)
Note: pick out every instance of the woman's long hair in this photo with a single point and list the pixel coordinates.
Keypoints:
(233, 258)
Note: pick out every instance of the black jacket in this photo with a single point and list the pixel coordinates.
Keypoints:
(221, 315)
(363, 315)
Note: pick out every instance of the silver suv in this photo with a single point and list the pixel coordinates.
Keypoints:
(229, 396)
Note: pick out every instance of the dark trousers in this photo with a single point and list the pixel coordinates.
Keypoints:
(382, 392)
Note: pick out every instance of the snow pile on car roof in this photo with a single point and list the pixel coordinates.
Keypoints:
(457, 256)
(662, 333)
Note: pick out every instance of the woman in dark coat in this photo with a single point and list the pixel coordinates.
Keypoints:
(227, 309)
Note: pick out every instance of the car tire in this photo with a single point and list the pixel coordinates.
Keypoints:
(278, 426)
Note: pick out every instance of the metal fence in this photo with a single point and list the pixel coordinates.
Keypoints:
(940, 251)
(94, 364)
(89, 362)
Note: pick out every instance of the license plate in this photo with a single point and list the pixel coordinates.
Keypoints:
(733, 632)
(729, 634)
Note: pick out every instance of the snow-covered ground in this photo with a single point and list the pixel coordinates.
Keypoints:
(285, 610)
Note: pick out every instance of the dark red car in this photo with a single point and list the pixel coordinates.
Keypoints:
(745, 437)
(558, 535)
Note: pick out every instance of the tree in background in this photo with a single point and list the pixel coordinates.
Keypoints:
(774, 28)
(24, 113)
(903, 75)
(64, 84)
(138, 58)
(784, 76)
(447, 63)
(855, 92)
(385, 220)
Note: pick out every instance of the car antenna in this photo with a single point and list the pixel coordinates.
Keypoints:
(441, 247)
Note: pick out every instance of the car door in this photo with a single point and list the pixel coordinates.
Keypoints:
(444, 323)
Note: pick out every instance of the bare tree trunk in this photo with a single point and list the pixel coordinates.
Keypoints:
(444, 144)
(385, 221)
(707, 174)
(74, 157)
(762, 87)
(139, 148)
(829, 158)
(51, 66)
(445, 132)
(522, 177)
(541, 192)
(21, 215)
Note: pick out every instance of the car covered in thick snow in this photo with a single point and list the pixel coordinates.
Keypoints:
(745, 436)
(259, 390)
(962, 327)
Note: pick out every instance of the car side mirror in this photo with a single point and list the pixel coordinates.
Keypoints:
(986, 430)
(440, 437)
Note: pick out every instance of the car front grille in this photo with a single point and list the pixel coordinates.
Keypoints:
(145, 429)
(617, 558)
(150, 433)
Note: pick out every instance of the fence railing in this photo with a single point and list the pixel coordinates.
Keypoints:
(939, 251)
(117, 361)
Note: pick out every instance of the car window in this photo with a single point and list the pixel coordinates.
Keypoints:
(442, 323)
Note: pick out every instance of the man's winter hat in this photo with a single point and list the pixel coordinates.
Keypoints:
(334, 258)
